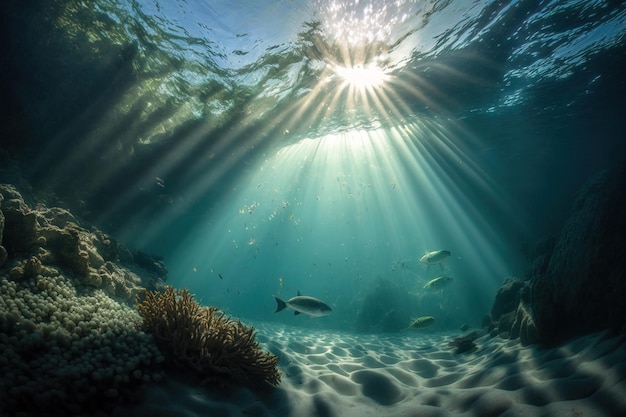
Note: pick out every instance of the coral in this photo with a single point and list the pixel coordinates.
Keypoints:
(33, 240)
(203, 340)
(68, 349)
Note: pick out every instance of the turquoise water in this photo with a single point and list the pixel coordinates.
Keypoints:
(322, 146)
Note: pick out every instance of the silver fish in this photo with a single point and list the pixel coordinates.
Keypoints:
(310, 306)
(437, 283)
(422, 322)
(435, 257)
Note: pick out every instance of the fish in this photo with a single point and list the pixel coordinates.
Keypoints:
(434, 257)
(438, 283)
(302, 304)
(422, 322)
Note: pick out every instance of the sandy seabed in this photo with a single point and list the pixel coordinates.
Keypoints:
(412, 374)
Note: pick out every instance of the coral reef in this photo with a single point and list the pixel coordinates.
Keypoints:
(37, 240)
(69, 343)
(203, 340)
(66, 350)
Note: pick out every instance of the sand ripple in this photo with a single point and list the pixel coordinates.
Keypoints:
(337, 374)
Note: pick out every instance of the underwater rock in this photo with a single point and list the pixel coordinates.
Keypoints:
(151, 264)
(583, 288)
(538, 255)
(510, 314)
(66, 246)
(384, 308)
(3, 255)
(507, 298)
(38, 239)
(466, 343)
(577, 285)
(20, 226)
(524, 325)
(1, 219)
(3, 252)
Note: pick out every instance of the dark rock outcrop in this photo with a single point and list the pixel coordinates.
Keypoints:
(584, 287)
(507, 298)
(577, 285)
(510, 314)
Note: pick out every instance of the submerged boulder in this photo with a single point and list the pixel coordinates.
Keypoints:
(511, 316)
(576, 284)
(583, 288)
(507, 298)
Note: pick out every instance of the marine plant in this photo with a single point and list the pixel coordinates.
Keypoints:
(205, 341)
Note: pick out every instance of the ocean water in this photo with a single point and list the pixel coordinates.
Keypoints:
(265, 148)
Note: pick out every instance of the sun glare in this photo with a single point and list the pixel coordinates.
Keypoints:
(362, 77)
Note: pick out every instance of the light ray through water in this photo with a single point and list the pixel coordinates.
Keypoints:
(340, 210)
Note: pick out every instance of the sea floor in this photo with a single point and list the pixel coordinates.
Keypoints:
(411, 374)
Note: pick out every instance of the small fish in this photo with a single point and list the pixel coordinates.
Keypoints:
(302, 304)
(438, 283)
(422, 322)
(220, 275)
(434, 257)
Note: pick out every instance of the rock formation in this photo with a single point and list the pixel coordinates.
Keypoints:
(577, 284)
(32, 238)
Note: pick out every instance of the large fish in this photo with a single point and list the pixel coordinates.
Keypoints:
(438, 283)
(310, 306)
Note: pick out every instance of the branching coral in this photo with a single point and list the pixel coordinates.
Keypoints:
(203, 339)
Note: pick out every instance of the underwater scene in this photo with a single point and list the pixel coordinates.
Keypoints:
(313, 208)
